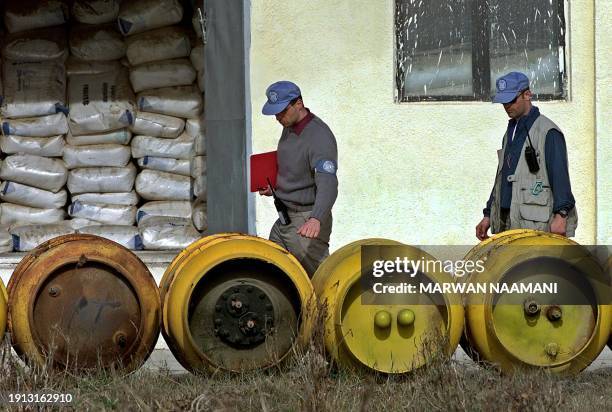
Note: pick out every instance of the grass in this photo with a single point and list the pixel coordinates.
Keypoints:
(308, 382)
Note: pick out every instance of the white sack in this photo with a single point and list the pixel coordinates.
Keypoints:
(197, 58)
(199, 216)
(168, 233)
(33, 89)
(78, 223)
(28, 237)
(39, 146)
(102, 179)
(36, 45)
(165, 73)
(125, 199)
(21, 15)
(51, 125)
(198, 166)
(41, 172)
(179, 101)
(161, 44)
(100, 102)
(105, 213)
(199, 187)
(95, 11)
(12, 214)
(31, 196)
(96, 43)
(121, 136)
(136, 16)
(96, 155)
(179, 148)
(154, 185)
(76, 66)
(126, 236)
(165, 164)
(195, 128)
(157, 125)
(6, 240)
(172, 208)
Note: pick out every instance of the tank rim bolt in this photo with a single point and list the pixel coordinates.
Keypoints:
(554, 313)
(552, 349)
(531, 307)
(120, 339)
(54, 291)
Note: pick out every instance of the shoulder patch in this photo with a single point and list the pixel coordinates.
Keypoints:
(326, 166)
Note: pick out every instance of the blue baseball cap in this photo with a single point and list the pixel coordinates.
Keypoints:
(509, 86)
(279, 95)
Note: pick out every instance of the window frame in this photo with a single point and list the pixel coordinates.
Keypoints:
(481, 61)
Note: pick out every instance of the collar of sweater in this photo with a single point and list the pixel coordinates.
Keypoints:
(299, 126)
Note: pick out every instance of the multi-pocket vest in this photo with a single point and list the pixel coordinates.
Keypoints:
(532, 198)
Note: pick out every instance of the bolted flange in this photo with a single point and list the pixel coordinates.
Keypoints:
(243, 316)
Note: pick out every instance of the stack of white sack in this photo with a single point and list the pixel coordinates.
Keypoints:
(103, 194)
(32, 188)
(158, 51)
(102, 107)
(34, 122)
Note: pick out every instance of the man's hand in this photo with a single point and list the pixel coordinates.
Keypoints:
(310, 229)
(558, 225)
(266, 192)
(482, 227)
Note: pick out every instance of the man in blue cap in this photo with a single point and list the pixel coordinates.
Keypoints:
(307, 184)
(532, 187)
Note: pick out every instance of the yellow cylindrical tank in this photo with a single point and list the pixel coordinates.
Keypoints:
(562, 331)
(609, 275)
(3, 309)
(83, 302)
(234, 302)
(390, 338)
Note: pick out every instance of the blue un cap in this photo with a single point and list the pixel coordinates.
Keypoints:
(279, 95)
(509, 86)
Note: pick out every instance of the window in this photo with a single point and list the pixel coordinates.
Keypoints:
(456, 49)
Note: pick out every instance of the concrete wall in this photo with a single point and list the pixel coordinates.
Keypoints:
(415, 172)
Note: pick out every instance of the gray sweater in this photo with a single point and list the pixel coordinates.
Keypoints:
(307, 165)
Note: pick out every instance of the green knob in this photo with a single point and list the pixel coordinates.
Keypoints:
(382, 319)
(405, 317)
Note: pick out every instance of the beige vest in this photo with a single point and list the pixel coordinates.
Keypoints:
(532, 198)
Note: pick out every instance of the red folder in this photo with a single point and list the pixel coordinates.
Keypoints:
(263, 167)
